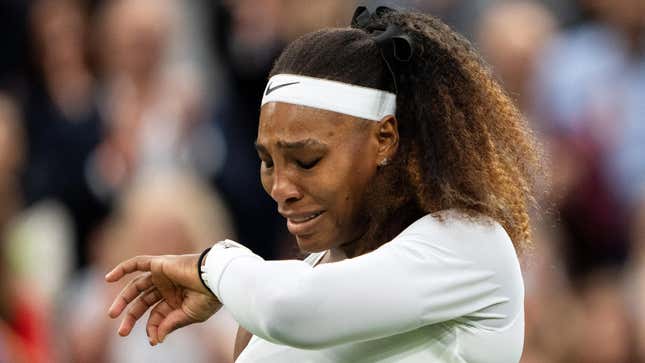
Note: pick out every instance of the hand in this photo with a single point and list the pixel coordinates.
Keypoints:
(169, 283)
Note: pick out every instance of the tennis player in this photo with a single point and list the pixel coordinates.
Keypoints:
(405, 170)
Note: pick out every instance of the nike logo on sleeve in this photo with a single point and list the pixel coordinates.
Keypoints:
(269, 89)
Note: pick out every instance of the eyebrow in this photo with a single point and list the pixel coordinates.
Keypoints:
(300, 144)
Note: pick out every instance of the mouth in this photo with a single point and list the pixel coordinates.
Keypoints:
(303, 224)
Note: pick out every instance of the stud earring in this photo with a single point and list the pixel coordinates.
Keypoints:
(383, 162)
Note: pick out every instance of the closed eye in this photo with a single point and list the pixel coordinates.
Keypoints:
(268, 164)
(308, 164)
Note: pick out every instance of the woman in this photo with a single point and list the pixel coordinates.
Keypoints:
(406, 171)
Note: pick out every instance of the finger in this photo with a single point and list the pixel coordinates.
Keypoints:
(139, 263)
(175, 320)
(133, 289)
(168, 288)
(157, 315)
(140, 306)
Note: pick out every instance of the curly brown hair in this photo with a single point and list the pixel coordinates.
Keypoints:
(463, 143)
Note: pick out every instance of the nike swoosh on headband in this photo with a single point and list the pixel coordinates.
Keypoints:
(269, 89)
(362, 102)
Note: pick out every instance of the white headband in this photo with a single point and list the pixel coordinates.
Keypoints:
(368, 103)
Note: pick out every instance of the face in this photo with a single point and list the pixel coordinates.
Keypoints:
(317, 165)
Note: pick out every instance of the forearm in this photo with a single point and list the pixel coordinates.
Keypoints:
(288, 302)
(399, 287)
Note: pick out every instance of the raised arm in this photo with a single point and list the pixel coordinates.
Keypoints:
(412, 281)
(405, 284)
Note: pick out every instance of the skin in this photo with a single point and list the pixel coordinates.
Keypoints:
(313, 161)
(316, 161)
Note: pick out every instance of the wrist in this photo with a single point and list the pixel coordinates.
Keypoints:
(201, 269)
(217, 260)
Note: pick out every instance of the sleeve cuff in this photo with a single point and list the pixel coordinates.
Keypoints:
(218, 259)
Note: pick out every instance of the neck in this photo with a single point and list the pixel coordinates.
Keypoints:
(383, 228)
(390, 206)
(374, 237)
(334, 254)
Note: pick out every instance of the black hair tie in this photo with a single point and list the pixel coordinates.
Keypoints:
(395, 45)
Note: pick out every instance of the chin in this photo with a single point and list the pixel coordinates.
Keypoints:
(312, 243)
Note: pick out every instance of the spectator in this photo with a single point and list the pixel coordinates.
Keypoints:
(62, 121)
(161, 212)
(23, 325)
(511, 36)
(636, 282)
(153, 111)
(589, 94)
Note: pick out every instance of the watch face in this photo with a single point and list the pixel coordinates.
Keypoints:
(228, 244)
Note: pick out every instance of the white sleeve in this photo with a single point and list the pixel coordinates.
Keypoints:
(405, 284)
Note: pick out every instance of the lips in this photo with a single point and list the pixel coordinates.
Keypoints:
(303, 223)
(305, 218)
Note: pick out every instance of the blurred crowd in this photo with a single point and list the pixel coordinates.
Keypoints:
(127, 127)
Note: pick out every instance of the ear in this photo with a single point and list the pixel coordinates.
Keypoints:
(388, 139)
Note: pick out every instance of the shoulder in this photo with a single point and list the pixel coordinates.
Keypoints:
(451, 235)
(453, 226)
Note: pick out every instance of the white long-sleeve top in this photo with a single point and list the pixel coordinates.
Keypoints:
(445, 289)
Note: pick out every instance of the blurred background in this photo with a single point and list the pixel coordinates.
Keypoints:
(127, 127)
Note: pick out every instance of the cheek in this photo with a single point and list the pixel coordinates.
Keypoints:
(266, 180)
(355, 174)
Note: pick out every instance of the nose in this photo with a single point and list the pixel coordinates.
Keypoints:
(283, 190)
